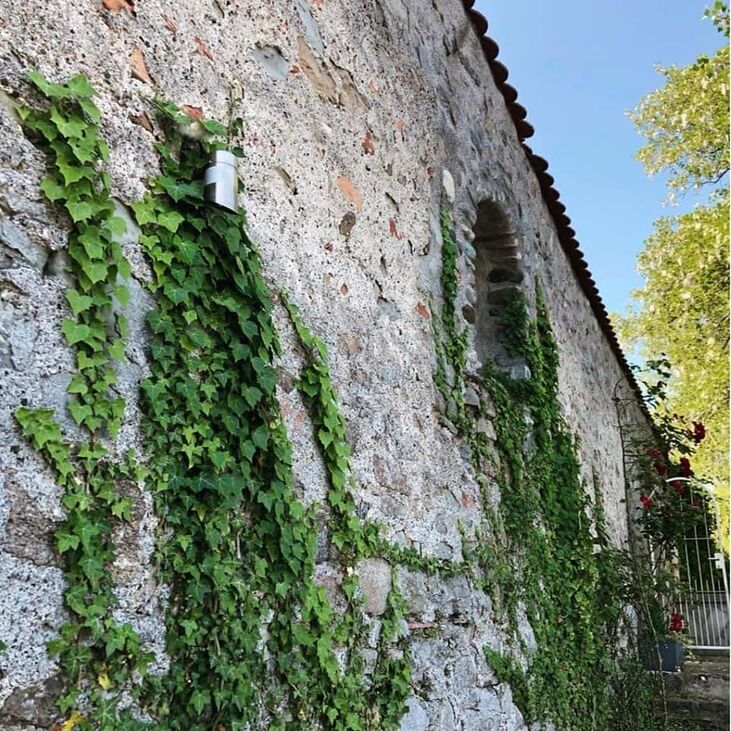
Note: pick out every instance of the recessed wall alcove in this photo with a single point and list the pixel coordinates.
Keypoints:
(498, 278)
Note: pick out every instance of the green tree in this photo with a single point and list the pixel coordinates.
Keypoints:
(682, 307)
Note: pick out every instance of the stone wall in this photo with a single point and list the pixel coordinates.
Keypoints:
(361, 118)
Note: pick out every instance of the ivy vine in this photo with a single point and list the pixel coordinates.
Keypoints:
(262, 644)
(251, 638)
(545, 550)
(97, 654)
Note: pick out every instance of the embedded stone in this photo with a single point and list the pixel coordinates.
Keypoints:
(466, 248)
(346, 224)
(14, 238)
(28, 530)
(471, 397)
(416, 718)
(388, 308)
(467, 233)
(485, 427)
(502, 292)
(520, 372)
(272, 61)
(35, 704)
(484, 709)
(416, 594)
(448, 185)
(375, 584)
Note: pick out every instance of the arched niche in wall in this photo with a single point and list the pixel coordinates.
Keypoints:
(498, 278)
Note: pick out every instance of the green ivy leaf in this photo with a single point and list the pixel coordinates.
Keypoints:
(78, 86)
(95, 270)
(117, 225)
(79, 210)
(68, 126)
(122, 509)
(260, 437)
(214, 127)
(66, 542)
(199, 700)
(75, 598)
(144, 210)
(52, 189)
(78, 385)
(90, 109)
(79, 411)
(91, 241)
(78, 302)
(121, 292)
(71, 173)
(170, 220)
(75, 332)
(188, 251)
(178, 190)
(124, 268)
(252, 395)
(116, 350)
(47, 88)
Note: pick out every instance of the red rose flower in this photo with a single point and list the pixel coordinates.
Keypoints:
(654, 453)
(646, 502)
(661, 468)
(676, 622)
(699, 432)
(678, 487)
(685, 469)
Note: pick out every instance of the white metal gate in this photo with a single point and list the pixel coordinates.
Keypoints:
(704, 568)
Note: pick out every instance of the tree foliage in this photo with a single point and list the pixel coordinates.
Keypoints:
(686, 122)
(682, 307)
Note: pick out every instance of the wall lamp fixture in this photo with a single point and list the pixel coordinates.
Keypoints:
(221, 181)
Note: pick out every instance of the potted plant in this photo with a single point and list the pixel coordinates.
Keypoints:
(663, 647)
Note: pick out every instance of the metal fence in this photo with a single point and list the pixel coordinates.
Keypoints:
(704, 568)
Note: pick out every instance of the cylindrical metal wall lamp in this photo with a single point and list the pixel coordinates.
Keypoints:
(220, 180)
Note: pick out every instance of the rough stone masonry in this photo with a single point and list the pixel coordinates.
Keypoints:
(361, 119)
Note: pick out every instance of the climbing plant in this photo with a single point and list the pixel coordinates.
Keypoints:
(97, 653)
(251, 638)
(262, 642)
(545, 551)
(355, 539)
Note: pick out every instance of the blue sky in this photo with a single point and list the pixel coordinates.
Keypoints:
(578, 66)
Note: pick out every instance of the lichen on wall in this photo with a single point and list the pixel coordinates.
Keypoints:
(360, 122)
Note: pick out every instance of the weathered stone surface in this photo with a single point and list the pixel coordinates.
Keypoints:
(471, 398)
(359, 123)
(469, 314)
(415, 589)
(28, 529)
(35, 704)
(483, 710)
(448, 185)
(416, 718)
(272, 60)
(375, 584)
(16, 244)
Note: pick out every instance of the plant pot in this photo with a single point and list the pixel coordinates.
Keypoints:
(666, 655)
